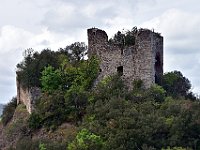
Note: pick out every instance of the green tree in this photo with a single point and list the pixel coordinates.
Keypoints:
(51, 79)
(42, 146)
(175, 84)
(76, 51)
(85, 140)
(65, 93)
(9, 110)
(29, 70)
(157, 93)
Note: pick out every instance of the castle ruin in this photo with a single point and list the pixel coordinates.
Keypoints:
(143, 60)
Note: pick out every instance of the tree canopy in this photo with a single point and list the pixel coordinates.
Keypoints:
(176, 84)
(109, 115)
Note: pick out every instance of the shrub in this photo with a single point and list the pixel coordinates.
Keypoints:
(85, 140)
(51, 111)
(9, 110)
(42, 146)
(157, 93)
(34, 121)
(26, 143)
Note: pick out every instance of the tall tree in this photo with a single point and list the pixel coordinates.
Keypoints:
(76, 51)
(176, 84)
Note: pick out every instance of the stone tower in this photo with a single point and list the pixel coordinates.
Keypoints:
(143, 60)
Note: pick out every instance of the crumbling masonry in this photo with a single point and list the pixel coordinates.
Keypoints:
(27, 96)
(143, 60)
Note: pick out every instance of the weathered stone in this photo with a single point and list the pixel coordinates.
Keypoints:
(142, 61)
(27, 96)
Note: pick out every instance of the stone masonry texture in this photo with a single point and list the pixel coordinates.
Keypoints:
(142, 61)
(27, 96)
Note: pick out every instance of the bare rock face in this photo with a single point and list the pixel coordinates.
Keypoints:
(27, 96)
(143, 60)
(15, 129)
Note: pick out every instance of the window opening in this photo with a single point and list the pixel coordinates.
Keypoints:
(158, 67)
(122, 51)
(120, 70)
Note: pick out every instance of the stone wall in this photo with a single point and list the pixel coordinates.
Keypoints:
(27, 96)
(143, 60)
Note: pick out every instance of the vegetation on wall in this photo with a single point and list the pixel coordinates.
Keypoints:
(29, 70)
(124, 38)
(65, 93)
(109, 116)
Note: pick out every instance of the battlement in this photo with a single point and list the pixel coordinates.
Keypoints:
(99, 34)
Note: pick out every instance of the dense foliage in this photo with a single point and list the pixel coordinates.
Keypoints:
(29, 70)
(176, 84)
(9, 110)
(109, 116)
(65, 93)
(125, 38)
(86, 140)
(142, 119)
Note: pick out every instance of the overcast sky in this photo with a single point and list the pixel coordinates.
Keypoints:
(53, 24)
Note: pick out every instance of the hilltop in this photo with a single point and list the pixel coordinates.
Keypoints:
(75, 110)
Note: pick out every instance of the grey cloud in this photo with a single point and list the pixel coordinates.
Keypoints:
(84, 14)
(45, 42)
(181, 31)
(180, 27)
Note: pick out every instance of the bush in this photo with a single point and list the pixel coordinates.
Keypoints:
(175, 84)
(34, 121)
(26, 143)
(9, 110)
(86, 140)
(51, 111)
(157, 93)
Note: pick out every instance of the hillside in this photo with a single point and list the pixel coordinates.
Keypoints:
(114, 118)
(77, 111)
(17, 135)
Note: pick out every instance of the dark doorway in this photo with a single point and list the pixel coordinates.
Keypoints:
(158, 68)
(120, 70)
(158, 62)
(122, 51)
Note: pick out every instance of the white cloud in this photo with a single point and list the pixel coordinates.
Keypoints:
(57, 23)
(13, 41)
(181, 31)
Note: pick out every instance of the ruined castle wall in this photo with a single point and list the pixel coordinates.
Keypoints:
(137, 62)
(27, 96)
(158, 54)
(109, 55)
(143, 60)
